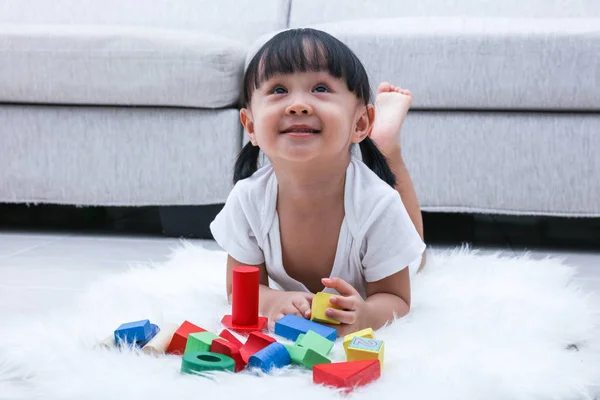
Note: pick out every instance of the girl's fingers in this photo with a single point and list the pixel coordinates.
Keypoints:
(345, 317)
(342, 287)
(302, 306)
(345, 303)
(273, 320)
(291, 309)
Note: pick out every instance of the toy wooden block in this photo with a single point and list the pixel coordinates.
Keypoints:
(316, 342)
(227, 335)
(200, 342)
(274, 355)
(225, 347)
(365, 349)
(291, 326)
(154, 330)
(179, 341)
(137, 333)
(365, 333)
(198, 362)
(347, 375)
(306, 357)
(159, 343)
(244, 316)
(320, 304)
(256, 342)
(108, 342)
(133, 332)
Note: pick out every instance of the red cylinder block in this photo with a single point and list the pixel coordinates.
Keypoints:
(246, 281)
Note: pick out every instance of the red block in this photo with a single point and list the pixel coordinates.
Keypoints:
(244, 308)
(222, 346)
(245, 284)
(255, 343)
(177, 345)
(245, 329)
(225, 334)
(347, 375)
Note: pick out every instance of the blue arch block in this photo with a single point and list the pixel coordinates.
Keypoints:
(137, 332)
(274, 355)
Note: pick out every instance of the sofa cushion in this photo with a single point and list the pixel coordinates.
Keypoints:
(117, 156)
(482, 63)
(239, 20)
(104, 65)
(307, 12)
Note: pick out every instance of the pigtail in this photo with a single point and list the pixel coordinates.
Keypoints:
(376, 161)
(246, 163)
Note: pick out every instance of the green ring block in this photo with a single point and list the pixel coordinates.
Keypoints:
(206, 361)
(200, 342)
(313, 340)
(306, 357)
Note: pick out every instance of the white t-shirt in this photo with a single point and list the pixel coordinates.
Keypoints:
(377, 237)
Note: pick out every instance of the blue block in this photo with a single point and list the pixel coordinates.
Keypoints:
(274, 355)
(133, 332)
(153, 332)
(291, 326)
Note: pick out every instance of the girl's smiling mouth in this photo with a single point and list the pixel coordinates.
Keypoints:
(300, 130)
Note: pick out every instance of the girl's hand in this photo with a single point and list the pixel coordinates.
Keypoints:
(352, 315)
(296, 303)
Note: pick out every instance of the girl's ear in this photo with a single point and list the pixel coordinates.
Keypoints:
(364, 124)
(248, 123)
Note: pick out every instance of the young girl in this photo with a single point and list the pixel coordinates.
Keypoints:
(322, 215)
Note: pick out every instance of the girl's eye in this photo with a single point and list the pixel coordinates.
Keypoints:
(279, 90)
(321, 89)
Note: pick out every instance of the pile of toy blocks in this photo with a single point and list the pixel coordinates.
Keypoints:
(203, 351)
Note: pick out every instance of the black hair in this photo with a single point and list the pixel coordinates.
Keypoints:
(303, 50)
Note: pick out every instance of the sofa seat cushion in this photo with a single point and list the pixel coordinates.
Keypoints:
(482, 63)
(113, 65)
(117, 156)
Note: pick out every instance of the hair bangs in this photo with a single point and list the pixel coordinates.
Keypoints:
(305, 50)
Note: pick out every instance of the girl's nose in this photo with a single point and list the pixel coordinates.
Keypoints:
(299, 109)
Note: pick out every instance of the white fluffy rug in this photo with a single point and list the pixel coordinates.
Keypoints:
(481, 327)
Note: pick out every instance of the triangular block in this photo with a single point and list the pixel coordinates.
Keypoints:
(227, 335)
(255, 343)
(179, 340)
(347, 375)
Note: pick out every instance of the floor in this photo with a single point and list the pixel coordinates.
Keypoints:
(43, 269)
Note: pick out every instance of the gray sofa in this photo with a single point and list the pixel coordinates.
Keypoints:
(133, 103)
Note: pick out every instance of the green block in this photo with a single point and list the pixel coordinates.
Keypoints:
(199, 342)
(195, 362)
(306, 357)
(316, 342)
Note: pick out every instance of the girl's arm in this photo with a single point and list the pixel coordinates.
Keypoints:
(406, 189)
(265, 294)
(387, 299)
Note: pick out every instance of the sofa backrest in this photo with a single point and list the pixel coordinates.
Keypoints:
(309, 12)
(240, 20)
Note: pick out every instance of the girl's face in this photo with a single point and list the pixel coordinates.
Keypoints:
(306, 115)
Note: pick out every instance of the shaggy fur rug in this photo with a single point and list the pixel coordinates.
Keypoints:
(481, 326)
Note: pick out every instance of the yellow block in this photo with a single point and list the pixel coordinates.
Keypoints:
(365, 333)
(360, 349)
(320, 304)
